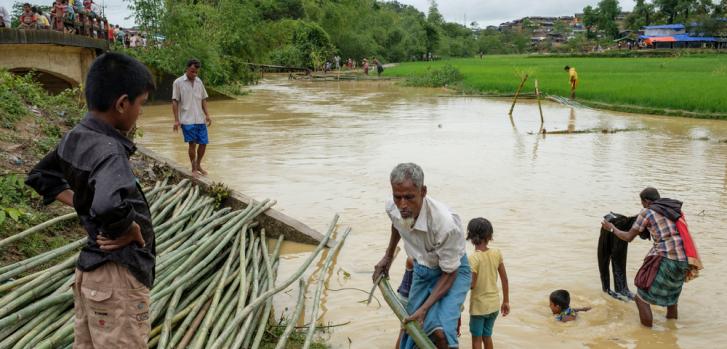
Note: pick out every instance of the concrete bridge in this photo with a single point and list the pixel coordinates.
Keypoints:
(59, 60)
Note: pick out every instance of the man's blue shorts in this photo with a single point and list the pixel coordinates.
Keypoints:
(481, 325)
(195, 133)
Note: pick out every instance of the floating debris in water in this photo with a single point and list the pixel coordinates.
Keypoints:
(590, 130)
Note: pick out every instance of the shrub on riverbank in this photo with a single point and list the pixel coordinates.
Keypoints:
(444, 76)
(31, 123)
(688, 83)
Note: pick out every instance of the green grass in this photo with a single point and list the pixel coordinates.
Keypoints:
(695, 84)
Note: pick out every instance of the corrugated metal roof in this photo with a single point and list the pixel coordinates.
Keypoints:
(685, 37)
(666, 26)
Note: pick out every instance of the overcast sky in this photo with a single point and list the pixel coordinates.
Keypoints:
(484, 12)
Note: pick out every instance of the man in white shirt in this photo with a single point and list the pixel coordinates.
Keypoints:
(434, 237)
(189, 104)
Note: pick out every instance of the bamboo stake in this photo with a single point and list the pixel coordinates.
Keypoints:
(537, 95)
(517, 93)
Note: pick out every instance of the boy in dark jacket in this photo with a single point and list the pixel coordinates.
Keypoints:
(90, 170)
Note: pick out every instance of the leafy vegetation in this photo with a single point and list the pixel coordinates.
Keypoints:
(220, 192)
(22, 98)
(12, 192)
(225, 34)
(31, 123)
(436, 77)
(690, 83)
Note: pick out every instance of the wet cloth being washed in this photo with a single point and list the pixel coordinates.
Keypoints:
(445, 313)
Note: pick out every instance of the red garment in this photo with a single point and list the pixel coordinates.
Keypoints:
(690, 248)
(27, 19)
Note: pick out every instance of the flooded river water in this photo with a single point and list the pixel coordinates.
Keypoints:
(325, 148)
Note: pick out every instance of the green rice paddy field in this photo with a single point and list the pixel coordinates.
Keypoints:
(692, 85)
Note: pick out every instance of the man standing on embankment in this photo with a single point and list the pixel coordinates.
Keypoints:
(189, 95)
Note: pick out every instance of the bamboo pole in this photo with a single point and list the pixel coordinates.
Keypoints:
(291, 323)
(195, 324)
(517, 93)
(537, 96)
(36, 228)
(252, 305)
(411, 327)
(321, 278)
(195, 295)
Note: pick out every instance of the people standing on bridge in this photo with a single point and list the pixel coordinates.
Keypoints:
(27, 19)
(573, 80)
(189, 104)
(337, 60)
(434, 237)
(43, 22)
(4, 17)
(366, 66)
(90, 171)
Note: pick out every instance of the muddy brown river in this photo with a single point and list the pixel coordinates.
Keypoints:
(324, 148)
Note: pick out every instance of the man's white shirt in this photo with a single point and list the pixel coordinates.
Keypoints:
(189, 96)
(436, 239)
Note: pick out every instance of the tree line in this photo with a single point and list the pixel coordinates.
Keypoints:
(224, 34)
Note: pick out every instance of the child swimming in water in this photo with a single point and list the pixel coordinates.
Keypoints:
(560, 306)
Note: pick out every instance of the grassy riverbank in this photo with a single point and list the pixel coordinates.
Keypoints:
(31, 123)
(681, 85)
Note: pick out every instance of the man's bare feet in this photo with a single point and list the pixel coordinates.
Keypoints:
(202, 171)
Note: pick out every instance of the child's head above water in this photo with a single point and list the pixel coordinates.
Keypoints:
(559, 301)
(479, 230)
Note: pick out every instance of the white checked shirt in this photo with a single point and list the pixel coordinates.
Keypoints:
(437, 238)
(189, 96)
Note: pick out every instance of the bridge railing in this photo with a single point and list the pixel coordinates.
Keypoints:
(44, 36)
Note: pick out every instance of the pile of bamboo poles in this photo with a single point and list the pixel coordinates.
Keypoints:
(215, 278)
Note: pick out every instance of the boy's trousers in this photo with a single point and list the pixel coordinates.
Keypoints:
(111, 309)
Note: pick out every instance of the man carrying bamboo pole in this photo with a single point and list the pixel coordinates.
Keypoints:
(90, 170)
(434, 237)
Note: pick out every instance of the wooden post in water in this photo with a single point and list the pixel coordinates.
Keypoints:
(517, 93)
(537, 96)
